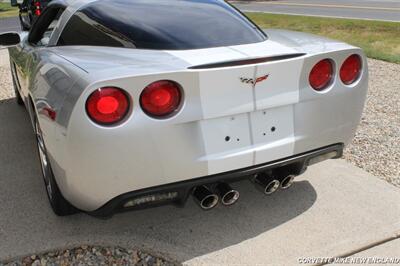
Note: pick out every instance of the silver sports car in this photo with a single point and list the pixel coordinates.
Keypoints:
(139, 103)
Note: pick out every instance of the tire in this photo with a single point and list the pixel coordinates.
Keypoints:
(59, 204)
(18, 97)
(23, 27)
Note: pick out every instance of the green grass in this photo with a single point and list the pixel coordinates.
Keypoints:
(6, 10)
(378, 39)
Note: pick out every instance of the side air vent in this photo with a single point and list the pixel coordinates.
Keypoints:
(247, 61)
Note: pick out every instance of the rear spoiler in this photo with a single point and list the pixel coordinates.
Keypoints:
(250, 61)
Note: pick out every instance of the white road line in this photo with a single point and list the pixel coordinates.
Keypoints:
(322, 16)
(330, 6)
(16, 28)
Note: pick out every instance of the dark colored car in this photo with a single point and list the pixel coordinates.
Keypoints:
(29, 10)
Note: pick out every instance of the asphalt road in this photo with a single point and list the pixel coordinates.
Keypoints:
(387, 10)
(9, 24)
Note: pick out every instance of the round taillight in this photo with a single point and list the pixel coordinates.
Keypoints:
(351, 69)
(107, 106)
(321, 75)
(161, 98)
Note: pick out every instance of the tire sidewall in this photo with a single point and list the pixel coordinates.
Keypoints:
(59, 204)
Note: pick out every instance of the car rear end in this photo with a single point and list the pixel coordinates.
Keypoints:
(158, 115)
(230, 119)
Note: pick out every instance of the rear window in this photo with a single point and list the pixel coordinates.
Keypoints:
(159, 24)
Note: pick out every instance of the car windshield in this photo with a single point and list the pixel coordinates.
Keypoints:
(160, 24)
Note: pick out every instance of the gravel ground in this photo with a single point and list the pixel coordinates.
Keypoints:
(376, 146)
(6, 89)
(86, 255)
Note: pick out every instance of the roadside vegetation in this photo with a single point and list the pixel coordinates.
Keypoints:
(6, 10)
(378, 39)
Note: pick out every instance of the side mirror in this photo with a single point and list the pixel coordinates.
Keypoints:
(14, 3)
(9, 39)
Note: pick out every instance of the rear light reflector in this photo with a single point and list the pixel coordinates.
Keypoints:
(50, 113)
(321, 75)
(107, 106)
(155, 198)
(38, 10)
(351, 69)
(161, 98)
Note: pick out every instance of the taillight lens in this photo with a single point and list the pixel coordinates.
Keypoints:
(107, 106)
(351, 69)
(321, 75)
(161, 98)
(38, 11)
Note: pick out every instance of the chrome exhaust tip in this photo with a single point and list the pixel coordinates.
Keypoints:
(271, 187)
(205, 198)
(287, 182)
(285, 176)
(227, 194)
(268, 183)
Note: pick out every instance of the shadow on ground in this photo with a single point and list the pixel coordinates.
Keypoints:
(27, 224)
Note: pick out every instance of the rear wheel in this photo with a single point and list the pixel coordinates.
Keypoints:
(23, 26)
(18, 97)
(59, 204)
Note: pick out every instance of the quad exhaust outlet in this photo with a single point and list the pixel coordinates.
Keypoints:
(205, 197)
(208, 196)
(227, 194)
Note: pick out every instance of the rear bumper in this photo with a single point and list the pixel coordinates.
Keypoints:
(178, 192)
(215, 132)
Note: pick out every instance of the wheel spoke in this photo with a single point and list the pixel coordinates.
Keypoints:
(40, 142)
(43, 160)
